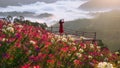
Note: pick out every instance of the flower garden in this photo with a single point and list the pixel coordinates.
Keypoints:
(26, 46)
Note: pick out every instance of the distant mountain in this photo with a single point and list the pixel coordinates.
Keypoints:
(44, 15)
(25, 14)
(107, 26)
(100, 5)
(28, 14)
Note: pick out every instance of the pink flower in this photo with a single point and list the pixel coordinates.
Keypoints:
(11, 39)
(94, 61)
(58, 63)
(37, 66)
(77, 62)
(0, 45)
(47, 44)
(44, 37)
(42, 56)
(51, 56)
(33, 58)
(18, 45)
(1, 38)
(83, 45)
(73, 48)
(5, 55)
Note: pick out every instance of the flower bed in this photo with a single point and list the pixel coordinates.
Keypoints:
(24, 46)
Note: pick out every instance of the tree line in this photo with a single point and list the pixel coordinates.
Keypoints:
(21, 20)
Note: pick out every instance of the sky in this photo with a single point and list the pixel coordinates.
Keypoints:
(57, 9)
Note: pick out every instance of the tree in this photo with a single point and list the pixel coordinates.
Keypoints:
(21, 18)
(9, 18)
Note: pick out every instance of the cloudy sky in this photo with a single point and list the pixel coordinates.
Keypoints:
(50, 11)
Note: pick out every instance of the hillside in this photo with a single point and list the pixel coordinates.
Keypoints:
(28, 46)
(105, 24)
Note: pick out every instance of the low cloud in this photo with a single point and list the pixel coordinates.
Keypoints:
(100, 5)
(65, 9)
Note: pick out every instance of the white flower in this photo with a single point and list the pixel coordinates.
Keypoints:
(110, 54)
(3, 30)
(69, 43)
(98, 47)
(32, 42)
(69, 36)
(52, 40)
(90, 57)
(58, 39)
(79, 55)
(105, 65)
(72, 39)
(64, 36)
(91, 46)
(81, 37)
(29, 51)
(20, 26)
(4, 26)
(64, 39)
(69, 54)
(117, 53)
(10, 29)
(73, 43)
(118, 62)
(57, 36)
(81, 50)
(101, 54)
(10, 25)
(4, 39)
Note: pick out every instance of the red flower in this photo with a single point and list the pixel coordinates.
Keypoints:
(50, 61)
(26, 66)
(65, 49)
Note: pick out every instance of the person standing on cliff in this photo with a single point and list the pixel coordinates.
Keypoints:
(61, 30)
